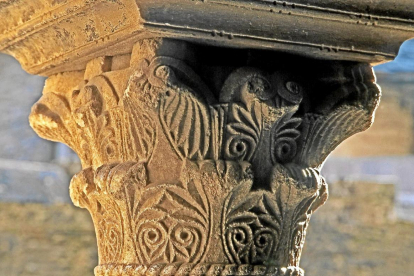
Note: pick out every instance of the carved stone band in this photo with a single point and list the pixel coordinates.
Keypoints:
(202, 156)
(196, 269)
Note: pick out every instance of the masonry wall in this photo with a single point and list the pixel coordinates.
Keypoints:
(357, 233)
(46, 240)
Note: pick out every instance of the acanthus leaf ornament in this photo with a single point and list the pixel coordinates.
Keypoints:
(252, 223)
(188, 174)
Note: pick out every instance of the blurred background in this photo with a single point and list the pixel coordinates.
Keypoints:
(365, 228)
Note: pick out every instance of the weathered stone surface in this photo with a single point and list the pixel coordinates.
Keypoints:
(353, 234)
(392, 132)
(174, 161)
(384, 153)
(196, 158)
(49, 37)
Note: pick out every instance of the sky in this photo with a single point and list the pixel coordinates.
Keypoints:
(404, 61)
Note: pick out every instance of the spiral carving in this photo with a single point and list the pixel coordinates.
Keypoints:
(110, 237)
(284, 149)
(240, 238)
(186, 238)
(152, 240)
(251, 226)
(243, 133)
(249, 244)
(291, 92)
(240, 147)
(285, 134)
(264, 242)
(159, 114)
(260, 86)
(173, 225)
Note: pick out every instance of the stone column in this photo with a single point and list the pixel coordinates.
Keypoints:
(201, 153)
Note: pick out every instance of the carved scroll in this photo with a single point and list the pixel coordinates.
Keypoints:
(183, 176)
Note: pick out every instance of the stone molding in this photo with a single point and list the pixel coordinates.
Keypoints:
(50, 37)
(196, 269)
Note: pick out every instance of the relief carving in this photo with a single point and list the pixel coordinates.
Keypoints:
(183, 176)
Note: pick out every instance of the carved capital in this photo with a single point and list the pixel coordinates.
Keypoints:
(201, 160)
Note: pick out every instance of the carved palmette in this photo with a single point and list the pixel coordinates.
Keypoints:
(233, 128)
(172, 171)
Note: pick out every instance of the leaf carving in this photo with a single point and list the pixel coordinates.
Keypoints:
(243, 133)
(251, 225)
(174, 226)
(285, 133)
(186, 121)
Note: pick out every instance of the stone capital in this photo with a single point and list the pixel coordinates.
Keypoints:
(201, 159)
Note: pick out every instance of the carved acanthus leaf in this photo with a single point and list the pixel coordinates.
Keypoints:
(94, 124)
(171, 166)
